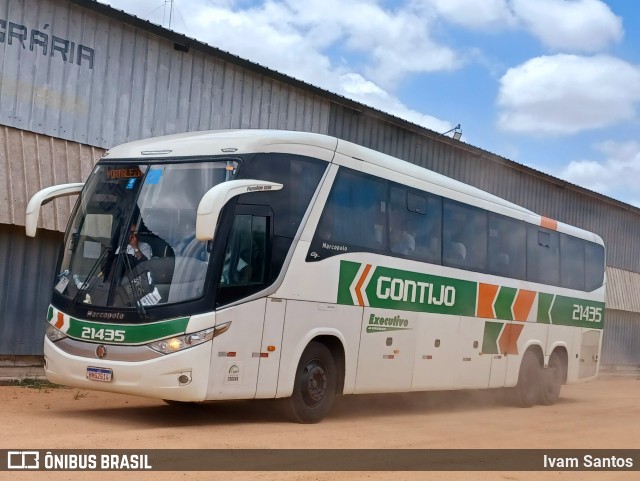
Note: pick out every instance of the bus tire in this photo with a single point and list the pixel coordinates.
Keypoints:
(551, 380)
(315, 384)
(527, 391)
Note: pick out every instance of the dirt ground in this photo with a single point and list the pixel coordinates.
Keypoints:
(604, 414)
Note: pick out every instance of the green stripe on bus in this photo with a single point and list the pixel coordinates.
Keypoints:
(568, 311)
(396, 289)
(348, 271)
(544, 304)
(492, 331)
(126, 333)
(504, 302)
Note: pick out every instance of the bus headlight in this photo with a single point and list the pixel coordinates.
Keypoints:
(178, 343)
(54, 334)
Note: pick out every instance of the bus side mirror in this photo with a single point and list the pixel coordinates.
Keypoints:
(215, 199)
(42, 197)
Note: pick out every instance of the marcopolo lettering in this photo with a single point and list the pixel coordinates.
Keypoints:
(407, 290)
(40, 41)
(105, 315)
(334, 247)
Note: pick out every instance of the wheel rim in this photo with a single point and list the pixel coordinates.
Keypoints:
(314, 383)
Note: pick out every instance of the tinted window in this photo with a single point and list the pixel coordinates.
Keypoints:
(571, 262)
(244, 269)
(415, 220)
(299, 176)
(464, 236)
(507, 239)
(543, 256)
(355, 213)
(421, 226)
(594, 266)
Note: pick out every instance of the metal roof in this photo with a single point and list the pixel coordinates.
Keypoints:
(182, 42)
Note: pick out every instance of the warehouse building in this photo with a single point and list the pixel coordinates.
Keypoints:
(79, 77)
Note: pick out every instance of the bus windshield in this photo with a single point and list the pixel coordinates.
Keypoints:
(131, 242)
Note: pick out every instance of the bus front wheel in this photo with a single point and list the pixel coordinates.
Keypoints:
(527, 391)
(315, 385)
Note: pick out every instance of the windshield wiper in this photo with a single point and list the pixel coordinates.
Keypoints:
(85, 284)
(134, 291)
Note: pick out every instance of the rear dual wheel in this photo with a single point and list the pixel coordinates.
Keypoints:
(552, 379)
(527, 391)
(538, 385)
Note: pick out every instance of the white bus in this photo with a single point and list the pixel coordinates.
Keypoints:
(271, 264)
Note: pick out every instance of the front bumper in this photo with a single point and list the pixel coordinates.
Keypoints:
(155, 378)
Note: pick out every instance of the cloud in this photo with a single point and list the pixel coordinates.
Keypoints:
(570, 25)
(579, 26)
(474, 14)
(300, 39)
(615, 175)
(565, 94)
(360, 89)
(389, 44)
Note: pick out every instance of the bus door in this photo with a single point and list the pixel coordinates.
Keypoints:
(387, 348)
(237, 352)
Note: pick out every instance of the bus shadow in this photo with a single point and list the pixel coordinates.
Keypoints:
(219, 413)
(187, 414)
(427, 403)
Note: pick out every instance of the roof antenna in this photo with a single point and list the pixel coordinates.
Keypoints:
(164, 14)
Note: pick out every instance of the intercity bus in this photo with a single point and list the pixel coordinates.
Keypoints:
(301, 266)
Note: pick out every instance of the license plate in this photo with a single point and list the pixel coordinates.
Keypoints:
(101, 374)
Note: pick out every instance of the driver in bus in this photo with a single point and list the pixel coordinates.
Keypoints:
(141, 251)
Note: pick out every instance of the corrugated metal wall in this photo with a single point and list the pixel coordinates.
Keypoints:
(30, 162)
(617, 224)
(72, 77)
(621, 339)
(27, 267)
(623, 290)
(97, 81)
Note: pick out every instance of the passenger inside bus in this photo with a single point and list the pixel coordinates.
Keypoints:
(403, 242)
(455, 253)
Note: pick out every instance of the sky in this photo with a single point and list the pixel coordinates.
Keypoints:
(551, 84)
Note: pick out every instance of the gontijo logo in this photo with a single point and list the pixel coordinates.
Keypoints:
(382, 287)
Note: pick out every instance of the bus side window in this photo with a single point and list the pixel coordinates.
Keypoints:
(415, 220)
(594, 266)
(507, 238)
(572, 262)
(543, 256)
(465, 236)
(355, 213)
